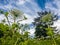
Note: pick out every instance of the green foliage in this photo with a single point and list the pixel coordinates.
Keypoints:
(44, 23)
(47, 18)
(50, 31)
(6, 14)
(14, 25)
(4, 27)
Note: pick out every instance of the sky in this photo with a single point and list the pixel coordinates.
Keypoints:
(31, 7)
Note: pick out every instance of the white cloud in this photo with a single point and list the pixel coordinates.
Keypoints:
(32, 32)
(29, 6)
(20, 2)
(50, 6)
(57, 24)
(6, 7)
(1, 17)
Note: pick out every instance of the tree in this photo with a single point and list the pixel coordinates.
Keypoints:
(44, 24)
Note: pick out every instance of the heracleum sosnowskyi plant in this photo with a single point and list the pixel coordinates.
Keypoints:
(6, 15)
(17, 14)
(11, 32)
(17, 17)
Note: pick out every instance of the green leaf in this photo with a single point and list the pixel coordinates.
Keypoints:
(6, 14)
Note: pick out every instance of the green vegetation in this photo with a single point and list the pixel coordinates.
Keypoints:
(44, 24)
(44, 34)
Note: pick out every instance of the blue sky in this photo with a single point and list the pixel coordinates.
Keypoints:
(28, 6)
(31, 7)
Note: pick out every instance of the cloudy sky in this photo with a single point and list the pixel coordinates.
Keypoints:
(31, 7)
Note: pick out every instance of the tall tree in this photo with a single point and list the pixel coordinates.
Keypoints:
(43, 24)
